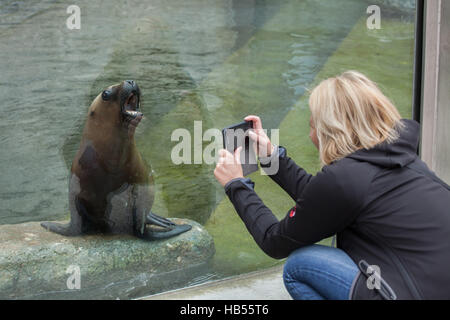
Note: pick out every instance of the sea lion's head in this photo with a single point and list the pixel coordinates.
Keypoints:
(118, 105)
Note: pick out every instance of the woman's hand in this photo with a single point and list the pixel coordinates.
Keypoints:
(228, 166)
(264, 147)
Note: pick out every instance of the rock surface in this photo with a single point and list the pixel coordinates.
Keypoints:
(36, 264)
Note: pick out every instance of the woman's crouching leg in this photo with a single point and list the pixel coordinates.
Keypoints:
(319, 272)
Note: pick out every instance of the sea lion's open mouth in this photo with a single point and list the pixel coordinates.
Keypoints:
(131, 101)
(132, 106)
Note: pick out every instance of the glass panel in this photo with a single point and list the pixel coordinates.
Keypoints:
(443, 110)
(210, 61)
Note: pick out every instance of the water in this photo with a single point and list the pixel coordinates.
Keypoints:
(209, 60)
(50, 75)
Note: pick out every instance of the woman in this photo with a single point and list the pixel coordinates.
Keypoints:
(390, 213)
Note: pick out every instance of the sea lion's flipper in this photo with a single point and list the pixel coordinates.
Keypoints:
(73, 228)
(152, 218)
(164, 227)
(67, 229)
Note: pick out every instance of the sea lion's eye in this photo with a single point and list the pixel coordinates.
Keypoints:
(106, 95)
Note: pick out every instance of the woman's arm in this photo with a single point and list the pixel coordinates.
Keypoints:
(286, 173)
(323, 209)
(325, 206)
(259, 220)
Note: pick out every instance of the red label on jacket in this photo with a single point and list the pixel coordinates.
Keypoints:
(292, 213)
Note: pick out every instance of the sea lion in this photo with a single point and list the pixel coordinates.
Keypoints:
(111, 189)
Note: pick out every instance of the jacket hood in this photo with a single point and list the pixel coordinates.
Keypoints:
(398, 153)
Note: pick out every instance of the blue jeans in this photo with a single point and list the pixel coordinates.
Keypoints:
(319, 272)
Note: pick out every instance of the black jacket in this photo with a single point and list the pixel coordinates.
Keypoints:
(384, 204)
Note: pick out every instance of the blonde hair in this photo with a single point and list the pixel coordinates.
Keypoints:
(349, 113)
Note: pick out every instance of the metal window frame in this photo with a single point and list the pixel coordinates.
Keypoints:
(428, 90)
(418, 60)
(432, 85)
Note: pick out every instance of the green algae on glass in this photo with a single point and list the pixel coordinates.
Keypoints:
(385, 56)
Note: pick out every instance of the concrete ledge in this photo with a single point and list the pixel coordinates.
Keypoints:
(259, 285)
(34, 262)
